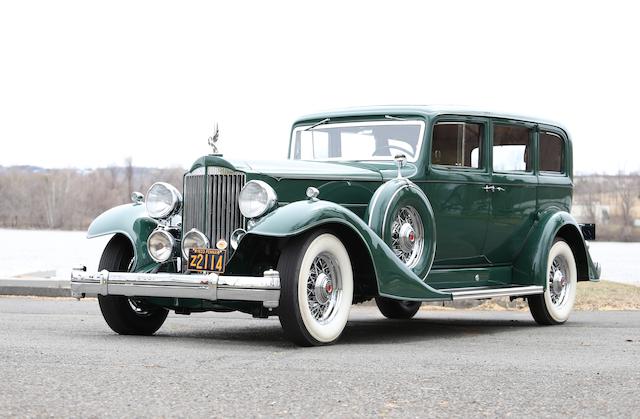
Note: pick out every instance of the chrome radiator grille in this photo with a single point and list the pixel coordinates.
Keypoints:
(211, 203)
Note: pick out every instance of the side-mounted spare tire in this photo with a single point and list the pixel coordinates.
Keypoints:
(401, 214)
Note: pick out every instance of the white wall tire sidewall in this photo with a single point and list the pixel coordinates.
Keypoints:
(561, 314)
(330, 331)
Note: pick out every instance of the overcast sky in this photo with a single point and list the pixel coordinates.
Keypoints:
(86, 84)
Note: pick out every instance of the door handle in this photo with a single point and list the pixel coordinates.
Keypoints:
(493, 188)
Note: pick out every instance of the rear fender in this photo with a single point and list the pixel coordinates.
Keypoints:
(133, 222)
(530, 267)
(393, 278)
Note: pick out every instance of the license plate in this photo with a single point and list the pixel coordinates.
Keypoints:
(207, 260)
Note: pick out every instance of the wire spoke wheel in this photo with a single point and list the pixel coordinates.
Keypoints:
(316, 288)
(407, 236)
(558, 281)
(323, 287)
(554, 305)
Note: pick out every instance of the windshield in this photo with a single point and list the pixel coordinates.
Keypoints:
(373, 140)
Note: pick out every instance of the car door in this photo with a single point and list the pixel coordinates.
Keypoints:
(458, 171)
(513, 189)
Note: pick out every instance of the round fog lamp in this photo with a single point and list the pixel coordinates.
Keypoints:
(192, 240)
(160, 245)
(236, 236)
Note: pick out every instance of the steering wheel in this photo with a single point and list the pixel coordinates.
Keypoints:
(406, 151)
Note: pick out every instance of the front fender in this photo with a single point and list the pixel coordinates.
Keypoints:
(530, 267)
(132, 221)
(393, 278)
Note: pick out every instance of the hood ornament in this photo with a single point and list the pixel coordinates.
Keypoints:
(214, 139)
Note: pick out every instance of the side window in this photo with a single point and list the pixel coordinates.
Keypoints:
(551, 152)
(457, 144)
(512, 148)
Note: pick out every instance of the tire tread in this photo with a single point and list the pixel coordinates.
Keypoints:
(116, 309)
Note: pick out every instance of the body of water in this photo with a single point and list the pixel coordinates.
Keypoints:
(54, 253)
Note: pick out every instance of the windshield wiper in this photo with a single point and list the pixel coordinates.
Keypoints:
(324, 121)
(395, 118)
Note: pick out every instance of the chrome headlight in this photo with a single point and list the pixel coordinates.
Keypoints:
(163, 200)
(193, 239)
(160, 245)
(256, 198)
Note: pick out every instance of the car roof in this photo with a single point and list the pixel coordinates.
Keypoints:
(426, 110)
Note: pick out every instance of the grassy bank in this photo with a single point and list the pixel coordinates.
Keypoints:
(592, 296)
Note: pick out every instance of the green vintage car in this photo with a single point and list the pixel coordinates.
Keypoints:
(397, 204)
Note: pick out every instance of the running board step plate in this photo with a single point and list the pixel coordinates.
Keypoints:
(486, 292)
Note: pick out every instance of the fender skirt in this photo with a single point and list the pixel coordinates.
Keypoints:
(132, 221)
(530, 268)
(393, 278)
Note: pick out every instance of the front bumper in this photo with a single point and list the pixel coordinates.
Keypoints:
(212, 287)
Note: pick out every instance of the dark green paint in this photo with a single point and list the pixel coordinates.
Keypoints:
(132, 221)
(393, 277)
(483, 238)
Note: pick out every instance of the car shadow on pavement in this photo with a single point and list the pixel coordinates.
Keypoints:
(383, 331)
(358, 331)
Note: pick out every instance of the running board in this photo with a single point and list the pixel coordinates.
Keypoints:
(487, 292)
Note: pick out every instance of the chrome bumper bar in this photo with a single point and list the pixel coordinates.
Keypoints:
(213, 287)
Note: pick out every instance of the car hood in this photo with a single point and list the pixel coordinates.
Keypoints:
(346, 183)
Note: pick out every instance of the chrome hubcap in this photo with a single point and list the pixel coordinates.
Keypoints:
(558, 281)
(407, 236)
(323, 288)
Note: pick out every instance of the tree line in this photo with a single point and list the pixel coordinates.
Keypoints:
(612, 202)
(69, 199)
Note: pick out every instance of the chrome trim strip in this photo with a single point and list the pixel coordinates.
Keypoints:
(213, 287)
(487, 292)
(213, 170)
(284, 175)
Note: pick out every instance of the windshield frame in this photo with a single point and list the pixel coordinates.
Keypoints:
(370, 122)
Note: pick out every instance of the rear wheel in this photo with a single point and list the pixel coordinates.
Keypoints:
(397, 309)
(316, 289)
(555, 304)
(124, 315)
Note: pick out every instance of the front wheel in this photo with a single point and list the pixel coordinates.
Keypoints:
(316, 289)
(555, 304)
(124, 315)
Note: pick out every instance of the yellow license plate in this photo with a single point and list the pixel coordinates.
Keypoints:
(206, 260)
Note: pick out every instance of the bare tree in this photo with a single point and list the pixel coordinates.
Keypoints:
(129, 165)
(68, 198)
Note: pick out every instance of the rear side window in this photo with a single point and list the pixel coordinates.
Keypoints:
(551, 152)
(512, 148)
(457, 144)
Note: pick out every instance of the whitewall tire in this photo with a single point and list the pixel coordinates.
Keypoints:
(316, 289)
(555, 304)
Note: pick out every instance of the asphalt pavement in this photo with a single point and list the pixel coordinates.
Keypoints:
(58, 358)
